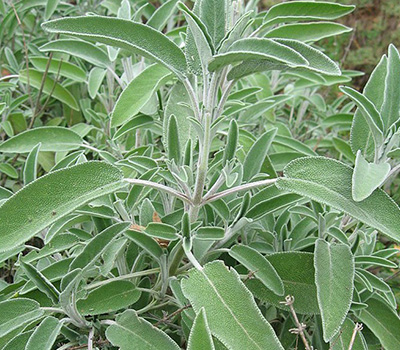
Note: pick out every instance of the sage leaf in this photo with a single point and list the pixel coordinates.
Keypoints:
(131, 331)
(45, 334)
(259, 265)
(16, 313)
(138, 93)
(51, 138)
(334, 277)
(109, 297)
(200, 335)
(30, 166)
(50, 87)
(367, 177)
(329, 181)
(63, 68)
(232, 314)
(53, 196)
(125, 34)
(296, 269)
(383, 322)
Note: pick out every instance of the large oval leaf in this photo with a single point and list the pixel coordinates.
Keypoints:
(329, 181)
(233, 316)
(296, 269)
(132, 36)
(52, 139)
(110, 297)
(53, 196)
(334, 276)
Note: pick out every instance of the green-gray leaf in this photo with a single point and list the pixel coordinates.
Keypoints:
(52, 139)
(132, 36)
(367, 177)
(45, 335)
(53, 196)
(200, 335)
(133, 332)
(110, 297)
(259, 265)
(329, 181)
(138, 93)
(334, 276)
(233, 316)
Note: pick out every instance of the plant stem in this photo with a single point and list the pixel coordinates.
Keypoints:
(358, 327)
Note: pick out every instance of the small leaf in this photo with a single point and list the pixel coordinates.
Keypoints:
(334, 276)
(173, 146)
(96, 77)
(209, 233)
(30, 167)
(45, 335)
(110, 297)
(257, 153)
(383, 322)
(259, 265)
(162, 231)
(145, 242)
(16, 313)
(160, 17)
(53, 196)
(329, 181)
(232, 314)
(367, 177)
(138, 93)
(133, 332)
(51, 6)
(50, 87)
(125, 34)
(52, 139)
(231, 142)
(200, 335)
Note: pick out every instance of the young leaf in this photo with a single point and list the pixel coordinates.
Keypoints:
(138, 93)
(50, 87)
(16, 313)
(369, 111)
(367, 177)
(51, 138)
(391, 104)
(45, 335)
(210, 233)
(30, 167)
(145, 242)
(160, 17)
(96, 77)
(233, 316)
(133, 332)
(329, 181)
(231, 142)
(109, 297)
(162, 231)
(79, 48)
(125, 34)
(213, 15)
(173, 146)
(51, 6)
(259, 265)
(361, 136)
(296, 269)
(200, 335)
(334, 276)
(53, 196)
(383, 322)
(257, 153)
